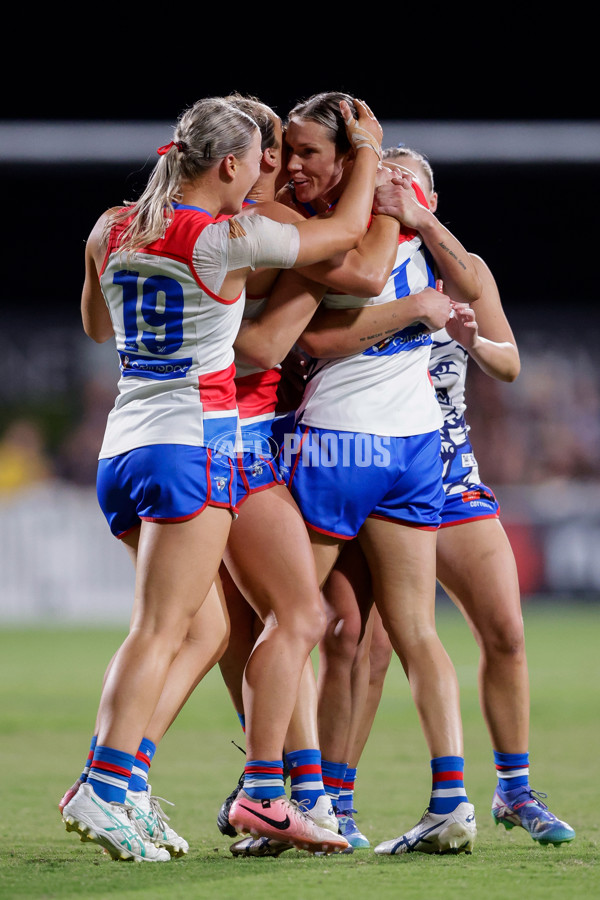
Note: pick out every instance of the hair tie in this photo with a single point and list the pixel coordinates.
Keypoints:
(181, 146)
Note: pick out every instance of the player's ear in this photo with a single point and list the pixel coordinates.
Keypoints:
(228, 166)
(433, 201)
(271, 157)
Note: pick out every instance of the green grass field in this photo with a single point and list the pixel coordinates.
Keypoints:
(49, 684)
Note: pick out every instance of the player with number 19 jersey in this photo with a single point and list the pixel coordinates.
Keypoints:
(174, 340)
(174, 337)
(175, 334)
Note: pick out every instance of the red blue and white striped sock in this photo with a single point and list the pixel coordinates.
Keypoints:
(306, 778)
(512, 770)
(141, 767)
(89, 759)
(448, 789)
(263, 779)
(110, 773)
(346, 798)
(333, 778)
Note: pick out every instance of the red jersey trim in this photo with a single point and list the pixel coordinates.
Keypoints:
(333, 534)
(178, 244)
(217, 390)
(403, 522)
(257, 393)
(468, 519)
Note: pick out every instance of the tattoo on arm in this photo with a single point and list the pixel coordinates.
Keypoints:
(377, 335)
(452, 254)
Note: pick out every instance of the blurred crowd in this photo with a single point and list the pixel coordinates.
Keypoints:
(545, 426)
(537, 441)
(542, 428)
(26, 457)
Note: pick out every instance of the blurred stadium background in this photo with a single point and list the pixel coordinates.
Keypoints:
(519, 193)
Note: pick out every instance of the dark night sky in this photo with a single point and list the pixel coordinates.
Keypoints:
(506, 69)
(534, 224)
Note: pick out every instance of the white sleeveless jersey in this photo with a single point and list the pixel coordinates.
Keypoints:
(174, 335)
(448, 368)
(385, 390)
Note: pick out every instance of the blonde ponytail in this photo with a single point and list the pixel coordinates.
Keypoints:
(206, 133)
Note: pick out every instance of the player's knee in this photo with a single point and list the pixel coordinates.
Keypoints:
(221, 635)
(305, 623)
(504, 639)
(342, 637)
(379, 660)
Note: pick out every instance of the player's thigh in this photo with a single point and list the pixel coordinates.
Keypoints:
(401, 560)
(212, 618)
(269, 554)
(177, 564)
(476, 565)
(347, 592)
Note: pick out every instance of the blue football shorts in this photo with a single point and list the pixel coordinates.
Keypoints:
(477, 502)
(340, 478)
(163, 483)
(257, 466)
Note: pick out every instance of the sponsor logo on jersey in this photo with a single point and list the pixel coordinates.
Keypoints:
(150, 367)
(407, 339)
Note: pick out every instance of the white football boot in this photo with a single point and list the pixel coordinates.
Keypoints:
(453, 832)
(111, 826)
(152, 822)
